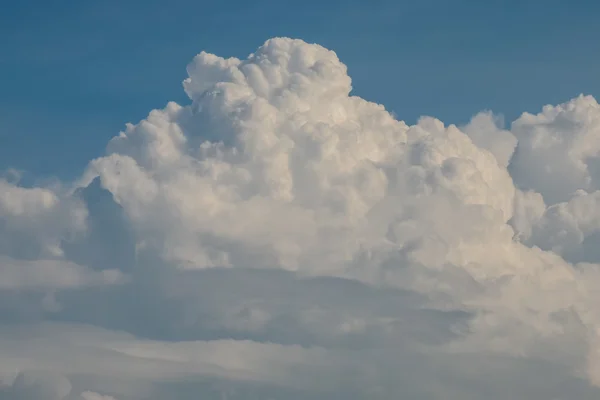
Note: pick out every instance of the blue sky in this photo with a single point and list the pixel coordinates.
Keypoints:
(74, 72)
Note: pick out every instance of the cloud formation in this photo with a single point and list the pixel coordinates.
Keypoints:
(279, 237)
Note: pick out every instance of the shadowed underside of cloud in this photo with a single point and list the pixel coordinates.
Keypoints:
(280, 238)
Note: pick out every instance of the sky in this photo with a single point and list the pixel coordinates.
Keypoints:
(334, 200)
(76, 71)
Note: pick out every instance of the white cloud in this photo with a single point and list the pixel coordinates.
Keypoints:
(95, 396)
(283, 238)
(486, 133)
(558, 149)
(33, 220)
(51, 274)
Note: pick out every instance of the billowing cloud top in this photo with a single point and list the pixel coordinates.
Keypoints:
(280, 238)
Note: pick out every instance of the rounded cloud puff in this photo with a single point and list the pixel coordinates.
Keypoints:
(296, 170)
(558, 149)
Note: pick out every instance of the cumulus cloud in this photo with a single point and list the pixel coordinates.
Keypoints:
(33, 220)
(558, 149)
(279, 237)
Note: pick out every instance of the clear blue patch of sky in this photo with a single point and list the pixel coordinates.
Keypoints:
(72, 73)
